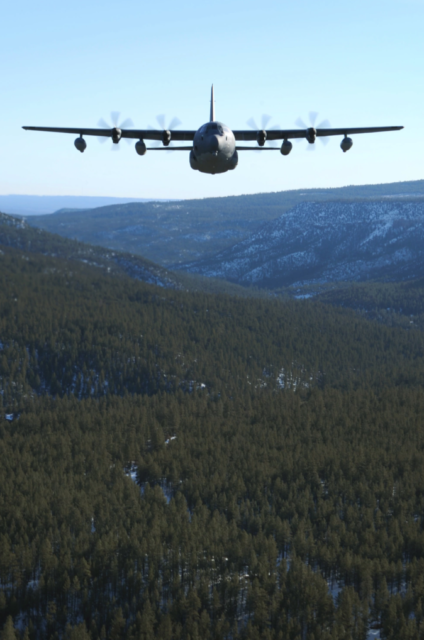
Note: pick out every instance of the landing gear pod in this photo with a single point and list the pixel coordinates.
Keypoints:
(140, 147)
(80, 144)
(286, 147)
(233, 161)
(193, 162)
(346, 144)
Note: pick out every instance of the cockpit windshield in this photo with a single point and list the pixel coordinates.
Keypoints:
(214, 128)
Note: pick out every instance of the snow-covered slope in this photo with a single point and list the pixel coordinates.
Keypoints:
(327, 242)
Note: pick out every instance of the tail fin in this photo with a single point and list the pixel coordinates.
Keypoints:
(212, 107)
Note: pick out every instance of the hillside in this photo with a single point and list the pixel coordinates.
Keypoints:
(316, 243)
(66, 327)
(394, 303)
(175, 232)
(183, 465)
(16, 232)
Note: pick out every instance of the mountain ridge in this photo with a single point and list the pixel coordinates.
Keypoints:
(316, 243)
(30, 205)
(169, 233)
(17, 233)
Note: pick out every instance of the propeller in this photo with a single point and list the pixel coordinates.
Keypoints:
(125, 124)
(264, 122)
(161, 119)
(313, 115)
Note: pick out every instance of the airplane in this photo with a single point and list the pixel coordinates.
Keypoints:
(214, 149)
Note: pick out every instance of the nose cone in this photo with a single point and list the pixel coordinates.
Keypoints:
(214, 144)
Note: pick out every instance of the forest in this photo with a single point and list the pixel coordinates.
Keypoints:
(394, 303)
(185, 465)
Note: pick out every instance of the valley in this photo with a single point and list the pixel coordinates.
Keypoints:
(287, 434)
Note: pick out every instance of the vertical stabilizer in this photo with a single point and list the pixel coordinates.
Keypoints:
(212, 107)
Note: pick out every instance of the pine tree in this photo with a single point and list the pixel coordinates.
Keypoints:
(8, 632)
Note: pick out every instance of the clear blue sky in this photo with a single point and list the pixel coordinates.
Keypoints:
(68, 64)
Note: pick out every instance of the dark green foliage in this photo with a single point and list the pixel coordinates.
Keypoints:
(67, 328)
(255, 501)
(334, 481)
(394, 303)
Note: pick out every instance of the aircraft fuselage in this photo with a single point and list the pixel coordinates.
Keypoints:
(214, 149)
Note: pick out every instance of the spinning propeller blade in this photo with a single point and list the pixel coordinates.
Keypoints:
(125, 124)
(325, 124)
(161, 119)
(265, 119)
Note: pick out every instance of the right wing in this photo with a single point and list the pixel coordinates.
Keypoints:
(146, 134)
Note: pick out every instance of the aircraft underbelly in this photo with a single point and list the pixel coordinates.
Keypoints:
(212, 163)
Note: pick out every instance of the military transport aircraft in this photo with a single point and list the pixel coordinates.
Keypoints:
(215, 148)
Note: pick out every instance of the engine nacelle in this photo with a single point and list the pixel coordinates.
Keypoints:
(311, 135)
(140, 147)
(166, 138)
(286, 147)
(346, 144)
(80, 144)
(193, 161)
(116, 135)
(261, 138)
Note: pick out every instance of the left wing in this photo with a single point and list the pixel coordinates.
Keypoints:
(286, 134)
(146, 134)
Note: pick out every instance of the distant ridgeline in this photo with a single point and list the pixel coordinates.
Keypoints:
(173, 233)
(278, 445)
(32, 205)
